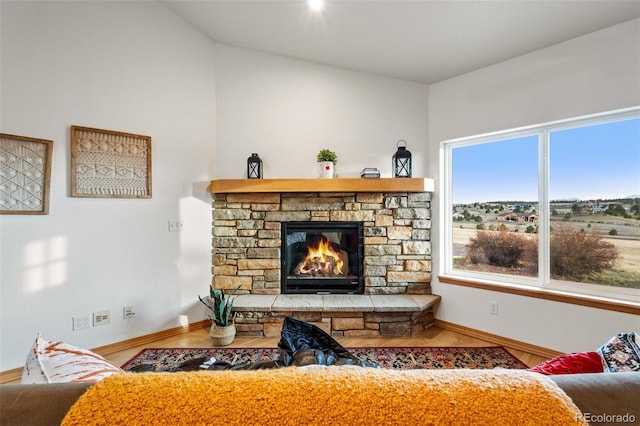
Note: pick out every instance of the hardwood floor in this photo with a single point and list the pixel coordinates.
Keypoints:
(199, 338)
(433, 336)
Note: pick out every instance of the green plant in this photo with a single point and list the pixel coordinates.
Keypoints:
(221, 307)
(327, 155)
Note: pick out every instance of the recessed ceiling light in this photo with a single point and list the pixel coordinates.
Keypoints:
(316, 5)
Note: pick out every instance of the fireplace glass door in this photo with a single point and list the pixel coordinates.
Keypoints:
(322, 257)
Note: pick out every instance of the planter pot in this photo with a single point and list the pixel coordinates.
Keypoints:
(326, 169)
(222, 336)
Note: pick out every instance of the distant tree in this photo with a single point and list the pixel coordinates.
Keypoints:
(613, 232)
(577, 254)
(480, 226)
(575, 208)
(567, 217)
(574, 254)
(554, 212)
(617, 210)
(530, 229)
(500, 248)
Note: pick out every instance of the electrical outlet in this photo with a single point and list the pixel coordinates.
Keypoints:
(81, 322)
(128, 312)
(175, 225)
(101, 318)
(493, 308)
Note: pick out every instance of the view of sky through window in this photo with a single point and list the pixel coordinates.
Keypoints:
(607, 156)
(498, 171)
(596, 162)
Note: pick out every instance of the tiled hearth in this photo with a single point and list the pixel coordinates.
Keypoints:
(397, 254)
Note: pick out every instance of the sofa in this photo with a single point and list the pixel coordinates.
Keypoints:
(315, 380)
(602, 398)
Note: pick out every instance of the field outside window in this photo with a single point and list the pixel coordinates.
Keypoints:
(554, 206)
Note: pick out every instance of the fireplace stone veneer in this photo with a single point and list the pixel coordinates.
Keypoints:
(397, 252)
(397, 234)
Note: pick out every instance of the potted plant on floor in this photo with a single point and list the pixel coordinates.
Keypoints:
(223, 328)
(327, 160)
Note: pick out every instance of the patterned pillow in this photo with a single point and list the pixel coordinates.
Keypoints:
(621, 353)
(57, 362)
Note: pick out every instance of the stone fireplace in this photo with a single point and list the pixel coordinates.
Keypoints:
(252, 220)
(247, 240)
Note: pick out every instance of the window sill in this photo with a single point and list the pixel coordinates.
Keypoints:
(592, 302)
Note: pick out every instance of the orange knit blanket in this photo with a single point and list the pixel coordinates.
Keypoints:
(326, 396)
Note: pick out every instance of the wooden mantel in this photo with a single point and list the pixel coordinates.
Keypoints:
(231, 186)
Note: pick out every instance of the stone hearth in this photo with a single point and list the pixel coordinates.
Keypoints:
(338, 315)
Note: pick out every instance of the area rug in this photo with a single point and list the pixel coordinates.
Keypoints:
(168, 359)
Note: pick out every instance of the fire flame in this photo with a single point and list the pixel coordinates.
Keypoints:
(321, 259)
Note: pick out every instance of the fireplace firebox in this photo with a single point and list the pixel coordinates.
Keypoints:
(322, 258)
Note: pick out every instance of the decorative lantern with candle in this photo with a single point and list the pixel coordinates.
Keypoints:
(401, 162)
(254, 167)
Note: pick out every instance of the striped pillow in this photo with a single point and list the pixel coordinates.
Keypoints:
(58, 362)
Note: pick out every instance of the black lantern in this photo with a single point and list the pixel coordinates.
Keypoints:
(254, 167)
(402, 161)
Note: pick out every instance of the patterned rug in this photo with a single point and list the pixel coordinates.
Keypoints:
(166, 359)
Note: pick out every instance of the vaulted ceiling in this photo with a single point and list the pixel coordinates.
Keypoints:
(422, 41)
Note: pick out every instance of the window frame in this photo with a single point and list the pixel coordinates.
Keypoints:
(541, 286)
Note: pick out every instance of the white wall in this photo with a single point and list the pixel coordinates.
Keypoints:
(590, 74)
(127, 66)
(287, 110)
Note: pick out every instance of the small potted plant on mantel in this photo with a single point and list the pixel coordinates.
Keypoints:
(223, 328)
(327, 160)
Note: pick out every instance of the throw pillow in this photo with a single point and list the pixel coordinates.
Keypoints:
(621, 353)
(580, 362)
(58, 362)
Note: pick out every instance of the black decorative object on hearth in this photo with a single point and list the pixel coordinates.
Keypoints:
(254, 167)
(402, 161)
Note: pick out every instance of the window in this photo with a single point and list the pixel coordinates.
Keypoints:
(554, 206)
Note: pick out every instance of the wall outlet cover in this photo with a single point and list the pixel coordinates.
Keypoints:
(101, 318)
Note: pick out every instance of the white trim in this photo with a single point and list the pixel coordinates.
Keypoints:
(544, 210)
